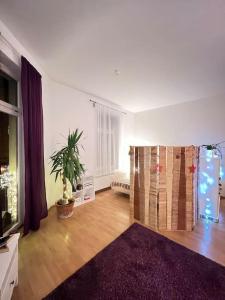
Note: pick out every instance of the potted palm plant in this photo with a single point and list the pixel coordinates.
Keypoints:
(66, 165)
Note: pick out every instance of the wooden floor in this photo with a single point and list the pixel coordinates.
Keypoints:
(60, 247)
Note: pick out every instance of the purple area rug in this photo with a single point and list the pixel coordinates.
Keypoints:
(141, 264)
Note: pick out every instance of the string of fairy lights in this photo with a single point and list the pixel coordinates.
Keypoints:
(8, 183)
(211, 174)
(217, 147)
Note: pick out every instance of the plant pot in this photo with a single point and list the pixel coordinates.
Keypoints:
(65, 211)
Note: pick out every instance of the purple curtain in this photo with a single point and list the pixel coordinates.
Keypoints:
(35, 197)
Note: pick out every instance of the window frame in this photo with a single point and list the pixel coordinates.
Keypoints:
(110, 134)
(17, 112)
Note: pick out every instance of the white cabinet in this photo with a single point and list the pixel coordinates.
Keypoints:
(87, 193)
(9, 269)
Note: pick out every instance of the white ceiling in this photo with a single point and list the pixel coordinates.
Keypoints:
(166, 51)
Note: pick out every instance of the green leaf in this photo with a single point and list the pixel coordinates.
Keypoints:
(66, 161)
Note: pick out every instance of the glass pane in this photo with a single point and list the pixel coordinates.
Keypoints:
(8, 89)
(8, 172)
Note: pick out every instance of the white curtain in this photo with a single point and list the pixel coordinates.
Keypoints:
(108, 139)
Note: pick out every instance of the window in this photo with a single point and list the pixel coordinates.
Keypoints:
(8, 89)
(108, 139)
(9, 115)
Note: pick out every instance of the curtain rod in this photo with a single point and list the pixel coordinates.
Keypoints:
(94, 102)
(7, 43)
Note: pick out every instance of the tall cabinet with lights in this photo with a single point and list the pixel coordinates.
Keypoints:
(209, 182)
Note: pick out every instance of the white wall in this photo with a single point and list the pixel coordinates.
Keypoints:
(193, 123)
(67, 109)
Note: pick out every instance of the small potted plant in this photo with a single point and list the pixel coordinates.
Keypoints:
(66, 165)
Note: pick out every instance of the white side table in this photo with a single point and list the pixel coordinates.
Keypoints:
(9, 268)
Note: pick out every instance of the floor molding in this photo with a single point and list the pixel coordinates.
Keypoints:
(103, 190)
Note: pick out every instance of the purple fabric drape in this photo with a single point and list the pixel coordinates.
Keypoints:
(35, 197)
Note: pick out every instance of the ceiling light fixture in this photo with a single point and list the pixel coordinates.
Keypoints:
(116, 72)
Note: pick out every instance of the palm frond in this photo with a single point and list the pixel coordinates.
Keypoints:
(66, 161)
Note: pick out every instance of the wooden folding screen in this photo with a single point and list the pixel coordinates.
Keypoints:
(163, 186)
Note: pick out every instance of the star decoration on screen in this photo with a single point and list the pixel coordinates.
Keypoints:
(156, 168)
(192, 169)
